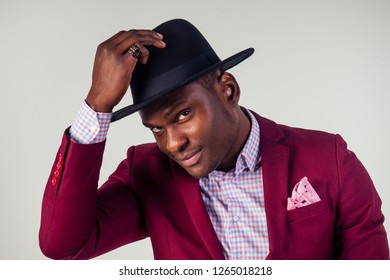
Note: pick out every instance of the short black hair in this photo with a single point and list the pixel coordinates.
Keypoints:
(207, 81)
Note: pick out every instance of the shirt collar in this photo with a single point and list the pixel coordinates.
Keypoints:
(249, 156)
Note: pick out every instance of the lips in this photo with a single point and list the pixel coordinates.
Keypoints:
(190, 159)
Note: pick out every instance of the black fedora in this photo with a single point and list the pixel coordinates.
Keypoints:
(186, 57)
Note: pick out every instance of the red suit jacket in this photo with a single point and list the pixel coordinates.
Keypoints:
(149, 195)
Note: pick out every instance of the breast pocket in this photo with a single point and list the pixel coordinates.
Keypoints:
(309, 211)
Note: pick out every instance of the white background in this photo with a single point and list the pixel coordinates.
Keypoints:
(318, 64)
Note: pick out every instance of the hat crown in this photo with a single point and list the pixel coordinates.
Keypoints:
(186, 53)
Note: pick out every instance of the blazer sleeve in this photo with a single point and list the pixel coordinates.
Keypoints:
(80, 220)
(359, 232)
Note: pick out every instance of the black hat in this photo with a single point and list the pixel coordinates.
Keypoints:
(186, 57)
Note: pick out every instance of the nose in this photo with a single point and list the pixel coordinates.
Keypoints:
(175, 141)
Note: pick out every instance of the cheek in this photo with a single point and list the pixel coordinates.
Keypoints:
(197, 129)
(206, 127)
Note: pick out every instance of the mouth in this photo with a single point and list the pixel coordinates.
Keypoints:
(191, 158)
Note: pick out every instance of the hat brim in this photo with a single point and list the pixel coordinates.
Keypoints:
(222, 65)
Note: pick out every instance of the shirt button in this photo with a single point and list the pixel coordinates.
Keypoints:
(92, 128)
(236, 218)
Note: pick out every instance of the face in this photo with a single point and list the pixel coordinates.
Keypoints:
(196, 127)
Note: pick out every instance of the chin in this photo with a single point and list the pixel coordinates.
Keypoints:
(197, 172)
(201, 171)
(197, 175)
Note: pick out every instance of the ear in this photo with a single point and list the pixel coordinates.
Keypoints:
(230, 88)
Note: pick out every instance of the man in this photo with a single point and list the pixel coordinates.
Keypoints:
(221, 182)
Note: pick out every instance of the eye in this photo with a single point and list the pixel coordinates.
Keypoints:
(183, 115)
(156, 130)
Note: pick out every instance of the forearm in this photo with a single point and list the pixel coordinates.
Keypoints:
(69, 202)
(80, 220)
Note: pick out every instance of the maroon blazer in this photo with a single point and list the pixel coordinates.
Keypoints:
(149, 195)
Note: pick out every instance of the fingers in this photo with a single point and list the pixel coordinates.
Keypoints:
(140, 38)
(120, 43)
(114, 37)
(144, 53)
(113, 66)
(123, 40)
(145, 37)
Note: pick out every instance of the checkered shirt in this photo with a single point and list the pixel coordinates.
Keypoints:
(234, 200)
(90, 127)
(235, 203)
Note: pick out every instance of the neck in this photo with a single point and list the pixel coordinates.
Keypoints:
(243, 131)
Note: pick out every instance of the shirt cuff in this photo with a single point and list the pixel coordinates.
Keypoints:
(90, 127)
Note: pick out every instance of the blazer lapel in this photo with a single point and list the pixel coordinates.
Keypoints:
(275, 159)
(189, 190)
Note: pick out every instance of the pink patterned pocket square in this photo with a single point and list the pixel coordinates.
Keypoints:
(303, 194)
